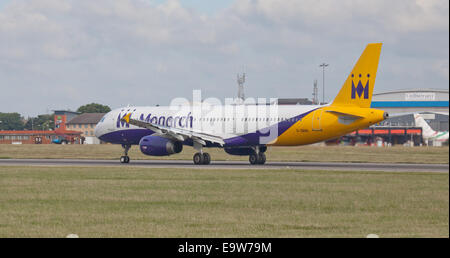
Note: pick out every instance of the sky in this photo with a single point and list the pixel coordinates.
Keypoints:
(61, 54)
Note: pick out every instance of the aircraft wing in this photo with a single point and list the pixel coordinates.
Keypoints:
(175, 133)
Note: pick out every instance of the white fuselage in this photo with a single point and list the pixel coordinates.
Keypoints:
(225, 121)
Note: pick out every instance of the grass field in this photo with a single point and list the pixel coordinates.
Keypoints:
(139, 202)
(398, 154)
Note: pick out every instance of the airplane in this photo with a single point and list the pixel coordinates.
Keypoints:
(164, 130)
(427, 132)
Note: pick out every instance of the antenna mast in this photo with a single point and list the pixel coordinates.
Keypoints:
(241, 81)
(315, 93)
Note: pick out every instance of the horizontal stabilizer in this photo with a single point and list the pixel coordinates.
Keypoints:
(344, 114)
(345, 118)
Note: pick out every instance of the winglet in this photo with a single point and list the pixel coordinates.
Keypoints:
(126, 118)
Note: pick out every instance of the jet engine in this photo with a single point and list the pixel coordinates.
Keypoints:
(159, 146)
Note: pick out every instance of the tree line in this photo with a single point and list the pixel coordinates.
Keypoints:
(14, 121)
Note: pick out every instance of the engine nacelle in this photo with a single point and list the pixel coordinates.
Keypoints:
(243, 151)
(159, 146)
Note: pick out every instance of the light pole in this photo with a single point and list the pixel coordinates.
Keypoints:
(323, 65)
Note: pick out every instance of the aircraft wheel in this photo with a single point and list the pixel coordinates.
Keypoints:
(253, 158)
(261, 158)
(124, 159)
(198, 158)
(206, 158)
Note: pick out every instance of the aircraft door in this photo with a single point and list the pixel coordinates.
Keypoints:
(316, 120)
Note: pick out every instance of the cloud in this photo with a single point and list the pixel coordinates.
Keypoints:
(66, 53)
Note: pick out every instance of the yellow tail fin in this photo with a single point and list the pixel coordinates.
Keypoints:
(358, 88)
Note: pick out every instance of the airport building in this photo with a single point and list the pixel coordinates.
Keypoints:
(70, 127)
(412, 101)
(59, 135)
(432, 103)
(85, 124)
(299, 101)
(400, 128)
(62, 117)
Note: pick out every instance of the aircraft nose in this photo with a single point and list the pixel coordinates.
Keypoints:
(97, 131)
(99, 127)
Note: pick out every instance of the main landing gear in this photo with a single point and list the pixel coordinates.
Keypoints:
(125, 159)
(201, 158)
(258, 157)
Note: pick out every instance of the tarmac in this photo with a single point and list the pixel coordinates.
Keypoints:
(332, 166)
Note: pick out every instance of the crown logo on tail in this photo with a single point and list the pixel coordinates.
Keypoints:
(360, 89)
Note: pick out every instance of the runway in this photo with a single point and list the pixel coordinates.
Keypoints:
(335, 166)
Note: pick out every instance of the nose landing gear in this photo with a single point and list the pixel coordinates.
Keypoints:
(125, 159)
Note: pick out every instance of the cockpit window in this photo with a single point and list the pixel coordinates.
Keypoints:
(103, 118)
